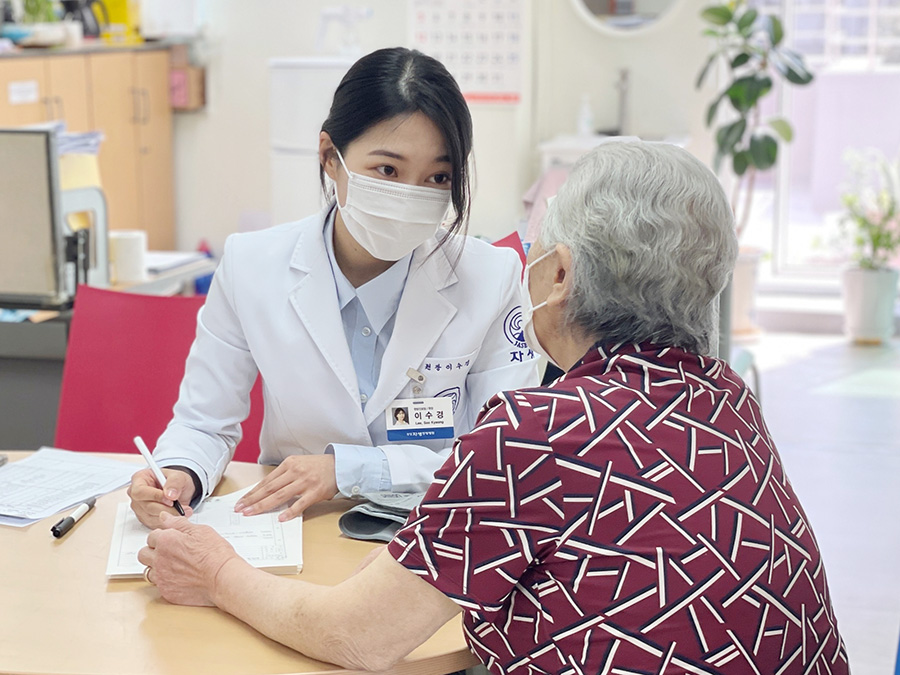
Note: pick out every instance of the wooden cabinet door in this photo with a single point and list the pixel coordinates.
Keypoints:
(114, 111)
(68, 91)
(155, 160)
(24, 98)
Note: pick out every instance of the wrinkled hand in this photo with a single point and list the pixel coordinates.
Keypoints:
(309, 478)
(185, 559)
(148, 501)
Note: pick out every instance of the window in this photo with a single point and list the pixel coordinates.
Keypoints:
(853, 47)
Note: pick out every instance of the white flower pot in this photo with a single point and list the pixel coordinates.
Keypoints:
(869, 297)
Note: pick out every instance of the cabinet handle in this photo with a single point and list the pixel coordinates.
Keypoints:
(61, 106)
(145, 97)
(135, 116)
(48, 107)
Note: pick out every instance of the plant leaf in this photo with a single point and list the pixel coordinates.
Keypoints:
(718, 14)
(739, 93)
(729, 136)
(747, 19)
(740, 60)
(745, 92)
(763, 151)
(791, 65)
(740, 162)
(783, 128)
(706, 67)
(774, 29)
(711, 111)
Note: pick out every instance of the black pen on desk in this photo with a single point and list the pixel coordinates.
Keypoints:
(154, 467)
(66, 523)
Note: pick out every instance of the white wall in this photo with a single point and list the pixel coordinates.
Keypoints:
(222, 153)
(573, 58)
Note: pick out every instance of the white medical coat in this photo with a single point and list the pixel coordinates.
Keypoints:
(273, 309)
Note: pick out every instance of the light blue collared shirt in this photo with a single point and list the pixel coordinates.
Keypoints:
(368, 315)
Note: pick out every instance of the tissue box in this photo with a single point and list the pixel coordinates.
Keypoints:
(187, 88)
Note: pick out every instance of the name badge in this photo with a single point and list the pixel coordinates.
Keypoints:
(419, 419)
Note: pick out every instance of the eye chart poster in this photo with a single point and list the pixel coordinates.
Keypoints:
(479, 41)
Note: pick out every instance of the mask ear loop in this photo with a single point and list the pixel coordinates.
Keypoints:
(343, 164)
(526, 276)
(334, 182)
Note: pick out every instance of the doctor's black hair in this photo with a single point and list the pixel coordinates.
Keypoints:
(400, 81)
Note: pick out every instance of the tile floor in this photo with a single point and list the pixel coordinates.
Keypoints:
(834, 412)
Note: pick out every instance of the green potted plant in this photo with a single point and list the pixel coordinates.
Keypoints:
(871, 223)
(750, 54)
(39, 11)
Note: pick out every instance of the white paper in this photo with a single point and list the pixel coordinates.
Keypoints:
(17, 522)
(22, 92)
(51, 480)
(162, 261)
(261, 540)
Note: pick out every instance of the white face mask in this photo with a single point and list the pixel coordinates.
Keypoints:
(390, 219)
(528, 311)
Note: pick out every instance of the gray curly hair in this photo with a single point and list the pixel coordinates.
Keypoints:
(653, 244)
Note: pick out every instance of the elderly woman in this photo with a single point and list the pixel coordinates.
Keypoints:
(633, 515)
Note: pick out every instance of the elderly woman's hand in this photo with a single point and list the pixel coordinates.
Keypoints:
(184, 560)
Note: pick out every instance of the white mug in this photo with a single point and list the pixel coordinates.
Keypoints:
(127, 256)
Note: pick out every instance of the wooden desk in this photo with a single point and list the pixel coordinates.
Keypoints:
(60, 614)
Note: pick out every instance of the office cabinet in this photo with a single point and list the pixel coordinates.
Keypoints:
(67, 95)
(38, 90)
(115, 109)
(23, 92)
(130, 103)
(124, 94)
(155, 156)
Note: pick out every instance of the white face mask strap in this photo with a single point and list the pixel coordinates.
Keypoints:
(535, 262)
(343, 164)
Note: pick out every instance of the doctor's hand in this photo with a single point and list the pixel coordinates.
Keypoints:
(184, 560)
(148, 501)
(309, 478)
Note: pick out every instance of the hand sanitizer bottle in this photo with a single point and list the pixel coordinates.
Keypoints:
(585, 123)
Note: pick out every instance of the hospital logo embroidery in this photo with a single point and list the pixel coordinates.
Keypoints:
(453, 394)
(512, 328)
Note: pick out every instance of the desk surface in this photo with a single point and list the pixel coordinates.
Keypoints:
(168, 281)
(60, 614)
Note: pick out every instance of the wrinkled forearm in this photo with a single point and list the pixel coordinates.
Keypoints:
(355, 625)
(286, 610)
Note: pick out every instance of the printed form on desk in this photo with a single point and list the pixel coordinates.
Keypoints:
(263, 541)
(51, 480)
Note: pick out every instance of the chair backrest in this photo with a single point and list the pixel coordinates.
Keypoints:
(124, 363)
(513, 241)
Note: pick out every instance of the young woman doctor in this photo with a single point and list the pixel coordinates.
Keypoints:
(345, 312)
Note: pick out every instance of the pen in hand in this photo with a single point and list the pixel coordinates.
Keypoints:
(154, 467)
(66, 523)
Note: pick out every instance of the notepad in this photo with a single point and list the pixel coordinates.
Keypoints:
(261, 540)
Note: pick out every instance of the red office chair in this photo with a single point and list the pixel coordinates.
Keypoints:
(124, 362)
(514, 242)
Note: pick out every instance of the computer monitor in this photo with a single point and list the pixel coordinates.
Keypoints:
(33, 269)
